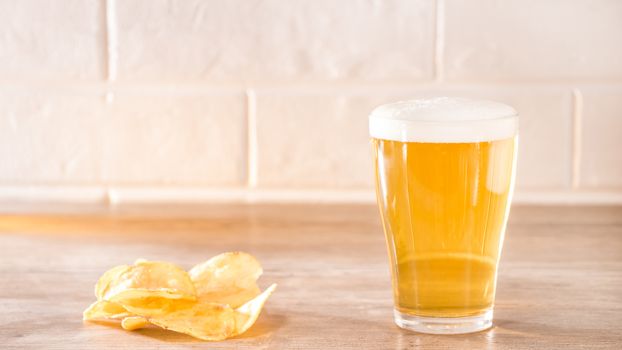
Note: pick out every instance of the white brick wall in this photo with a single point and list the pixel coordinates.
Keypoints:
(268, 100)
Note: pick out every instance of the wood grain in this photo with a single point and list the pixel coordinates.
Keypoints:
(560, 281)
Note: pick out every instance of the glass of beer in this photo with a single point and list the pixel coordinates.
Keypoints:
(444, 181)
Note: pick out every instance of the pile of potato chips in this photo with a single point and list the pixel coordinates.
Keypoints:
(215, 300)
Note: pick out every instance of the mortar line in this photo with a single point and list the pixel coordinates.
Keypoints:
(577, 139)
(355, 87)
(439, 41)
(251, 138)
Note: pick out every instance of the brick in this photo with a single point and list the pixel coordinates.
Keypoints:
(601, 165)
(51, 40)
(275, 40)
(532, 40)
(313, 140)
(48, 137)
(176, 139)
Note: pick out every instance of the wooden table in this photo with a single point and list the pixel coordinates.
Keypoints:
(560, 281)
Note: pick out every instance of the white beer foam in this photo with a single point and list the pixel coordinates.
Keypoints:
(443, 120)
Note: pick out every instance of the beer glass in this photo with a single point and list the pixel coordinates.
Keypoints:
(444, 181)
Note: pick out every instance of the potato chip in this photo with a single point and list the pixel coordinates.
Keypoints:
(132, 323)
(218, 299)
(150, 278)
(247, 314)
(146, 303)
(154, 306)
(228, 278)
(207, 321)
(107, 278)
(104, 310)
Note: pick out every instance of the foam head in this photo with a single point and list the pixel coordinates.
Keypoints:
(443, 120)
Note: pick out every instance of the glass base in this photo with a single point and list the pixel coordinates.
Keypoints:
(443, 325)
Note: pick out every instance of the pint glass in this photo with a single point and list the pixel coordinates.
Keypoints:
(444, 181)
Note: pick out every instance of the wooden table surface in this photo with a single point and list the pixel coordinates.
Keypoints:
(560, 281)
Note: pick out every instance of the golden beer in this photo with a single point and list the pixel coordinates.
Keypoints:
(444, 184)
